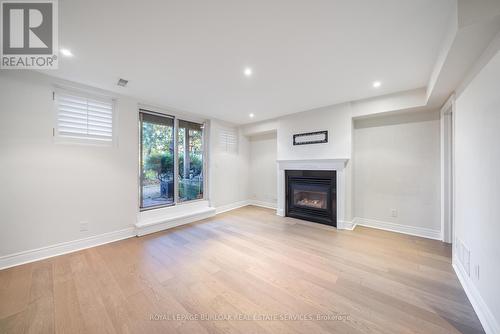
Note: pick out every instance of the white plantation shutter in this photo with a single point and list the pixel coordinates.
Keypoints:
(228, 139)
(84, 117)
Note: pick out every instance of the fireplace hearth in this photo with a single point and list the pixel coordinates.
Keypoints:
(311, 195)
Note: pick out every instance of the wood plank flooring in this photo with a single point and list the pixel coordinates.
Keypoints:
(244, 271)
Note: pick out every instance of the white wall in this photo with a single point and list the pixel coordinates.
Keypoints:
(477, 184)
(263, 168)
(336, 119)
(252, 129)
(48, 188)
(410, 99)
(228, 171)
(397, 166)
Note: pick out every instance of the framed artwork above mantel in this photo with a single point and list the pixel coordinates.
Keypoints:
(317, 137)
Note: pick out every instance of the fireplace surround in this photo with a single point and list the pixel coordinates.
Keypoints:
(311, 195)
(342, 184)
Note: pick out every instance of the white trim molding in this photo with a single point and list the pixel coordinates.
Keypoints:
(171, 222)
(241, 204)
(490, 324)
(399, 228)
(447, 175)
(162, 219)
(231, 206)
(262, 204)
(152, 221)
(346, 225)
(32, 255)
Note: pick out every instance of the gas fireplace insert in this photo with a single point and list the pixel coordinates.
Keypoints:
(312, 195)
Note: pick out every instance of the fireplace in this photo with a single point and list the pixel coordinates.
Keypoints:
(311, 195)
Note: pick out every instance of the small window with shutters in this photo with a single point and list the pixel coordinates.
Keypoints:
(82, 117)
(228, 139)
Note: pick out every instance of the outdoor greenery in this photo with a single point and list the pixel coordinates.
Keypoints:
(158, 160)
(161, 166)
(190, 190)
(195, 165)
(191, 184)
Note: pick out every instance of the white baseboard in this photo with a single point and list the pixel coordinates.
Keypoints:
(346, 225)
(16, 259)
(405, 229)
(164, 223)
(231, 206)
(262, 204)
(189, 214)
(490, 324)
(156, 225)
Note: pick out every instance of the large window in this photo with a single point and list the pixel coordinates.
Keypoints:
(162, 154)
(190, 155)
(157, 160)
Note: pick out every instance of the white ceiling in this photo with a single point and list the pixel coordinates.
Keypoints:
(190, 55)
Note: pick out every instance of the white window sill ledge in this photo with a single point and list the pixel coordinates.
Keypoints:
(152, 221)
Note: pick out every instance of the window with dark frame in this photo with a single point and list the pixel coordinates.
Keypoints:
(157, 160)
(190, 155)
(169, 145)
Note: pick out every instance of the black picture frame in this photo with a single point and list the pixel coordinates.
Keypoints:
(298, 135)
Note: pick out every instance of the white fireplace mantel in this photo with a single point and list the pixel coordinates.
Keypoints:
(312, 164)
(337, 165)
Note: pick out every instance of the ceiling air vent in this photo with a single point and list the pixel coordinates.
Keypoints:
(122, 82)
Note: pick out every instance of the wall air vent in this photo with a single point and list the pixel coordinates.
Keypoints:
(122, 82)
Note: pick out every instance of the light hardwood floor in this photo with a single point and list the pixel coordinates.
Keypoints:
(240, 265)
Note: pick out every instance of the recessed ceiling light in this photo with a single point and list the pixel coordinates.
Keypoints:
(251, 115)
(377, 84)
(248, 71)
(66, 52)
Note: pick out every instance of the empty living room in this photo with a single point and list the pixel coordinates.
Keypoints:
(278, 166)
